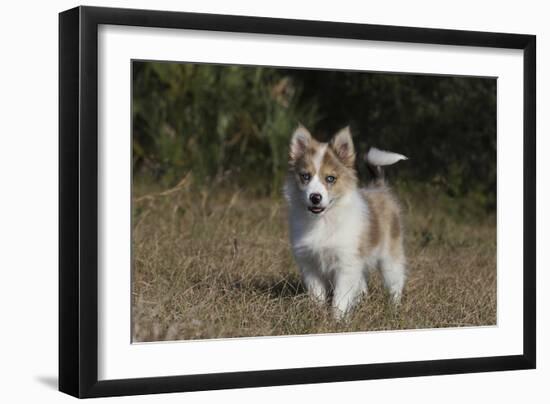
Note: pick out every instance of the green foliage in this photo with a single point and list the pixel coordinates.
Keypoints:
(233, 123)
(214, 121)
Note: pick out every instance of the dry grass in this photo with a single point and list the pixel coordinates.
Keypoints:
(218, 264)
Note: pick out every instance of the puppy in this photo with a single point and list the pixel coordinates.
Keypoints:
(339, 231)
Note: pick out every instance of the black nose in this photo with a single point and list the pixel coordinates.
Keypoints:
(315, 198)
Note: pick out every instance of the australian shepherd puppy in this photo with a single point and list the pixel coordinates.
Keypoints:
(339, 231)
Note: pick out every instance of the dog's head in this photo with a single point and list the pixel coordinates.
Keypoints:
(321, 173)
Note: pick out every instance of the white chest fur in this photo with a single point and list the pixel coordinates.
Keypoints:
(331, 236)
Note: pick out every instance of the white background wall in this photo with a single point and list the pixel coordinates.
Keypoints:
(28, 198)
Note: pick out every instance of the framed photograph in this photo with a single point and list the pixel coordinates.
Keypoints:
(251, 201)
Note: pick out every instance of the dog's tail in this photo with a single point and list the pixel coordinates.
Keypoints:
(376, 159)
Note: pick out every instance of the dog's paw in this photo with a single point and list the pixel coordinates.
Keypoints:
(395, 299)
(340, 315)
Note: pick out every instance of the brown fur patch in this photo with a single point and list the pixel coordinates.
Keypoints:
(303, 163)
(331, 165)
(395, 226)
(374, 230)
(384, 220)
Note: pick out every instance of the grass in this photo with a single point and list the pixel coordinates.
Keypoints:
(216, 263)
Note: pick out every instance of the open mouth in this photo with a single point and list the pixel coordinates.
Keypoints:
(315, 209)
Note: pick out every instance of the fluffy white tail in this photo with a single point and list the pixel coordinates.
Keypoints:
(376, 159)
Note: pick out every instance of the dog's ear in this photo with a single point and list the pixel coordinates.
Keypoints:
(342, 145)
(301, 139)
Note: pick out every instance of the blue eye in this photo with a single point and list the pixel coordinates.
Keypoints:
(305, 176)
(330, 179)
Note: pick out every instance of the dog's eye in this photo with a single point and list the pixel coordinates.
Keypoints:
(305, 176)
(330, 179)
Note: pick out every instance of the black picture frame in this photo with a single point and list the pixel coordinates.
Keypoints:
(78, 201)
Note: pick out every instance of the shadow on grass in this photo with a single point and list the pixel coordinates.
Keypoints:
(274, 288)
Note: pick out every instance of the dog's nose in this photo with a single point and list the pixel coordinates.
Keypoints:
(315, 198)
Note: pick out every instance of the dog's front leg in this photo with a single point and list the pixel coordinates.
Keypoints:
(349, 285)
(314, 285)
